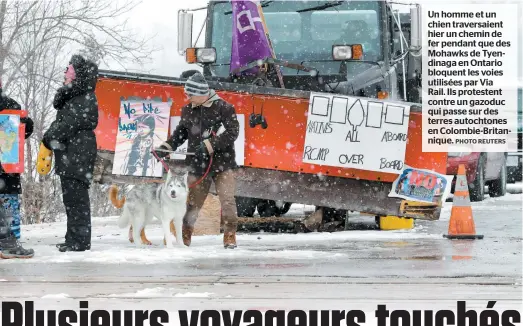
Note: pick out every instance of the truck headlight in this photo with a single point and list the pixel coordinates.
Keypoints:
(200, 55)
(347, 52)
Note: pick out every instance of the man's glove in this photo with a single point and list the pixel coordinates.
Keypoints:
(162, 151)
(29, 126)
(45, 159)
(27, 121)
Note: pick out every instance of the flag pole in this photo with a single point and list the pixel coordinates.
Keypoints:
(278, 71)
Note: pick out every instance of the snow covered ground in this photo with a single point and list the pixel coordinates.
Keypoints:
(282, 270)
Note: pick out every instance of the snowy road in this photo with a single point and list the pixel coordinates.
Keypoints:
(267, 271)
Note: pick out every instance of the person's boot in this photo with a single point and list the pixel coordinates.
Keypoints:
(10, 248)
(64, 247)
(9, 245)
(187, 234)
(229, 240)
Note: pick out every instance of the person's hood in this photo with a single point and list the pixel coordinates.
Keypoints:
(86, 73)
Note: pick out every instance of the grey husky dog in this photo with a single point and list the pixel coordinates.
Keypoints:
(165, 201)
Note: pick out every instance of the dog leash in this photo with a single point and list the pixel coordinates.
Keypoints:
(166, 167)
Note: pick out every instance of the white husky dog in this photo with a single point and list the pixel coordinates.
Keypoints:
(165, 201)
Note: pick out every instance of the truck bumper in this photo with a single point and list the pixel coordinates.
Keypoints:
(334, 192)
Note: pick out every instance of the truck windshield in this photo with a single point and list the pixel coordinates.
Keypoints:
(305, 31)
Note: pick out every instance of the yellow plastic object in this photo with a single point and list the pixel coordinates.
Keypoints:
(45, 159)
(395, 223)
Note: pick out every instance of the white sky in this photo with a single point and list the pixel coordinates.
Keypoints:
(160, 18)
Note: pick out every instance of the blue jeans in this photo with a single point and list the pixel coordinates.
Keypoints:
(12, 205)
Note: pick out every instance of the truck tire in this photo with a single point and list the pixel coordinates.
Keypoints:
(246, 206)
(285, 209)
(268, 208)
(332, 214)
(477, 188)
(498, 187)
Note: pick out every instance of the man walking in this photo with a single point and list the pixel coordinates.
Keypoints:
(200, 121)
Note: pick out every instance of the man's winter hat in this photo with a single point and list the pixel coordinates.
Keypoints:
(196, 85)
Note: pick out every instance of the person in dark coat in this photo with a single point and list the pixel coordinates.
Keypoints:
(72, 139)
(10, 185)
(199, 125)
(9, 245)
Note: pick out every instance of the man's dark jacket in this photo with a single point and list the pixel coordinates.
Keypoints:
(197, 124)
(10, 182)
(71, 136)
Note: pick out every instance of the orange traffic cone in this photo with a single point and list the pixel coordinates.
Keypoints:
(461, 224)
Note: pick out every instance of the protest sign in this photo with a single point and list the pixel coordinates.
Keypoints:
(351, 132)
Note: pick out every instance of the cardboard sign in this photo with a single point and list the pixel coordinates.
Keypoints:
(143, 125)
(239, 144)
(12, 140)
(350, 132)
(422, 185)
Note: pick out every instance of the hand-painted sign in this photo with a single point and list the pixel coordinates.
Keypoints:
(421, 185)
(143, 126)
(12, 140)
(352, 132)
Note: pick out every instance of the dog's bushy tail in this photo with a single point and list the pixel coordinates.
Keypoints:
(113, 196)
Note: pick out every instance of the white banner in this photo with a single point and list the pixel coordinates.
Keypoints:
(239, 144)
(351, 132)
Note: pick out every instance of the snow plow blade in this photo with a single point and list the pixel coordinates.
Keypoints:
(338, 193)
(272, 167)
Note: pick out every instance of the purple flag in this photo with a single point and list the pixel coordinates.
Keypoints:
(249, 38)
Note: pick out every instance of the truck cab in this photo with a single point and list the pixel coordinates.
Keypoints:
(315, 37)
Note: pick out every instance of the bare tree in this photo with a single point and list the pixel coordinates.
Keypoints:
(81, 23)
(41, 75)
(36, 41)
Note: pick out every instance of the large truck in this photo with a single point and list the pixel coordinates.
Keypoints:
(363, 49)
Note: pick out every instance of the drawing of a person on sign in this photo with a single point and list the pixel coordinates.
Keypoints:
(439, 189)
(140, 161)
(403, 186)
